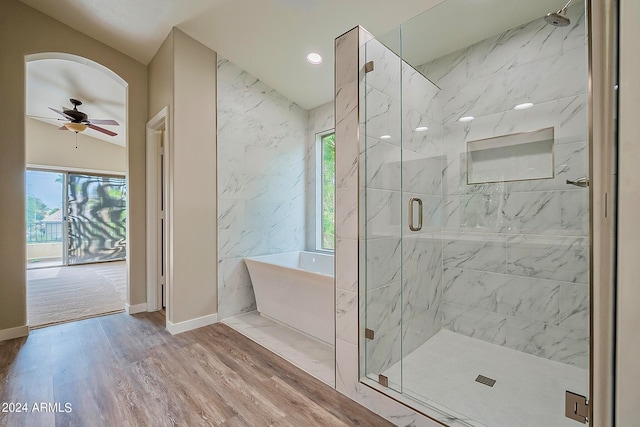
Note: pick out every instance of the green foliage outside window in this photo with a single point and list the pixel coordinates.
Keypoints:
(328, 190)
(37, 209)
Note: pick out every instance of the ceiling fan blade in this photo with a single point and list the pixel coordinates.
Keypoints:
(103, 130)
(61, 113)
(63, 128)
(103, 122)
(48, 118)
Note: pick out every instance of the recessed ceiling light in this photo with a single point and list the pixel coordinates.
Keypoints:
(421, 129)
(523, 106)
(466, 119)
(385, 137)
(314, 58)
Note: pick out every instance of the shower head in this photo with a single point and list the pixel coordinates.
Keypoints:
(559, 18)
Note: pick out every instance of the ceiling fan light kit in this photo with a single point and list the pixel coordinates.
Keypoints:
(75, 127)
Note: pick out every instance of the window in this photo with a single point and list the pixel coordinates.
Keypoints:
(326, 179)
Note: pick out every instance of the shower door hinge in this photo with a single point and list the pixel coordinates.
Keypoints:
(369, 334)
(368, 67)
(383, 381)
(576, 407)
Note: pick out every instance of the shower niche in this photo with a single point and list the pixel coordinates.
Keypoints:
(474, 250)
(514, 157)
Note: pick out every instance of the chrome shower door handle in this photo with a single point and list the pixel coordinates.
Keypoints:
(411, 202)
(580, 182)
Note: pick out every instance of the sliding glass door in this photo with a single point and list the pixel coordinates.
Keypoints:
(74, 218)
(45, 207)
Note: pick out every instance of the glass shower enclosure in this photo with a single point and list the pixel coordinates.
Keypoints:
(475, 213)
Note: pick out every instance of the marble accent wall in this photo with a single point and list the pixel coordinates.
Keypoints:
(422, 163)
(261, 180)
(516, 254)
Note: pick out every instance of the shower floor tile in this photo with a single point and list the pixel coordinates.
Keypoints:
(310, 355)
(529, 391)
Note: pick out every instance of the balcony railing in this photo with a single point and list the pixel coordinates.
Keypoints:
(44, 232)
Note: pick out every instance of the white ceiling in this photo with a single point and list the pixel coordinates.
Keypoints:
(134, 27)
(456, 24)
(51, 82)
(270, 38)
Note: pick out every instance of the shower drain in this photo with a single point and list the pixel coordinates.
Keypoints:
(485, 380)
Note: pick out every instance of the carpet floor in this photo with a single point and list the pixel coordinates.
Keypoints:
(64, 294)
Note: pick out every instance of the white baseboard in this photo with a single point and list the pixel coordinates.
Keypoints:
(11, 333)
(187, 325)
(136, 308)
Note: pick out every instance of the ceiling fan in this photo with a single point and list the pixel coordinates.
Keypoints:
(79, 121)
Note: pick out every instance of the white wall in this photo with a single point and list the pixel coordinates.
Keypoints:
(193, 185)
(628, 345)
(25, 31)
(161, 75)
(48, 146)
(182, 76)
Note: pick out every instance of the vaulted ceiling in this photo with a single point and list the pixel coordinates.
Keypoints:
(51, 82)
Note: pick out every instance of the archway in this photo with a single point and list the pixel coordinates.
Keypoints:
(91, 165)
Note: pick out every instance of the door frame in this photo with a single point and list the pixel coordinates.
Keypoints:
(159, 123)
(603, 17)
(65, 209)
(65, 171)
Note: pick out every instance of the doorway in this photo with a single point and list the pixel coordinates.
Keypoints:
(76, 245)
(158, 213)
(76, 138)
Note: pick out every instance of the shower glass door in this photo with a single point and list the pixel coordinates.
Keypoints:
(383, 215)
(475, 213)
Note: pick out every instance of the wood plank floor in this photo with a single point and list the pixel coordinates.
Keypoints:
(123, 370)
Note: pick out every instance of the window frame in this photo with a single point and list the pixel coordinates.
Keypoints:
(320, 136)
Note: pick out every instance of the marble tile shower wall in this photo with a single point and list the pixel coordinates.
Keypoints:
(404, 268)
(515, 254)
(261, 180)
(422, 163)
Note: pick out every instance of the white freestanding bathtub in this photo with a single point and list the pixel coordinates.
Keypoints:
(296, 289)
